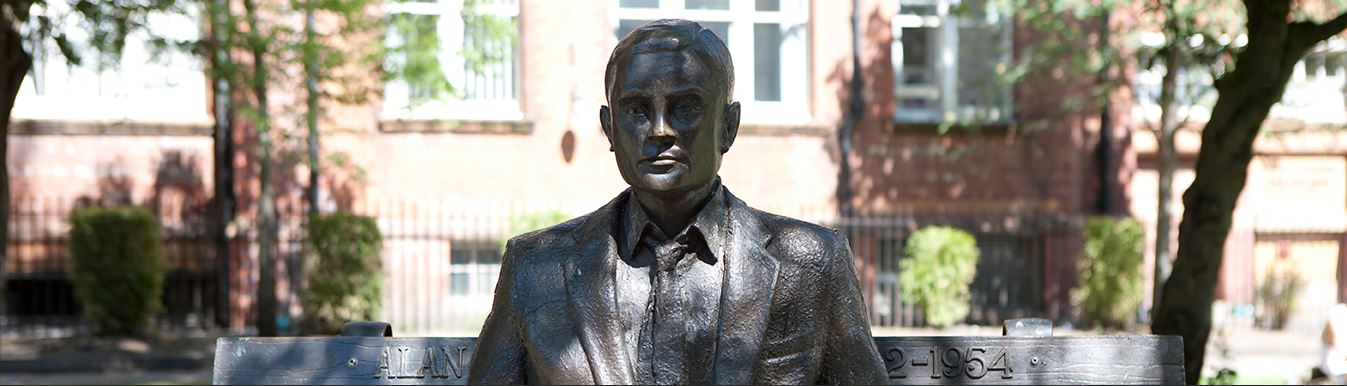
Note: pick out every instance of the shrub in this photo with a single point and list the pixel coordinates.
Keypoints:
(1276, 296)
(533, 222)
(117, 267)
(343, 272)
(1110, 278)
(936, 270)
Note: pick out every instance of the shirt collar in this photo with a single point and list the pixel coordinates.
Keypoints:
(709, 224)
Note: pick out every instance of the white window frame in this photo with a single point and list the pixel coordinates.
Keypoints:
(946, 49)
(793, 16)
(173, 89)
(397, 95)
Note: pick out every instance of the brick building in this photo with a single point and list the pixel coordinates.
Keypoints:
(447, 178)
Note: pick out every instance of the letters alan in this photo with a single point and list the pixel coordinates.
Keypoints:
(397, 362)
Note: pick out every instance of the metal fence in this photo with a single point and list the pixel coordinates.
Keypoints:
(40, 300)
(441, 261)
(1013, 271)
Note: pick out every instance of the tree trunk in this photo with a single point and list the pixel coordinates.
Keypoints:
(221, 69)
(1169, 125)
(266, 207)
(311, 115)
(1245, 97)
(14, 63)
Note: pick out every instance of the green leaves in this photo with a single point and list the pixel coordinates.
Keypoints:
(935, 273)
(1110, 281)
(343, 272)
(533, 222)
(117, 267)
(413, 56)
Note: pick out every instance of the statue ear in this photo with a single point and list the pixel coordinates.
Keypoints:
(605, 120)
(731, 127)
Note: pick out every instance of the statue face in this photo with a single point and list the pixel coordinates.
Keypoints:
(668, 124)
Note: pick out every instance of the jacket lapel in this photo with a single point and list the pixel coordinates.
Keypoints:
(590, 279)
(750, 281)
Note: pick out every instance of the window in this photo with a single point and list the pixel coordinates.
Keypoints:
(948, 58)
(473, 268)
(1316, 91)
(145, 85)
(456, 59)
(1193, 94)
(772, 82)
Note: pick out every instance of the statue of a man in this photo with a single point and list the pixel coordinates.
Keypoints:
(676, 281)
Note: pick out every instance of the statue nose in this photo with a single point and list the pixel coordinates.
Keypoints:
(660, 127)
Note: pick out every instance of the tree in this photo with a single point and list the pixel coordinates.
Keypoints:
(271, 45)
(333, 47)
(40, 22)
(1192, 33)
(1277, 39)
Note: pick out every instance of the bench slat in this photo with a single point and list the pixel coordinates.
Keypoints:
(966, 359)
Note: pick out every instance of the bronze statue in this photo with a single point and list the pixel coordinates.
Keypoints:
(676, 280)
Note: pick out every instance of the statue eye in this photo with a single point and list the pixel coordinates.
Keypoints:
(688, 109)
(637, 110)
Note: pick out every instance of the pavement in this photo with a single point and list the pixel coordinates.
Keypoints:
(169, 358)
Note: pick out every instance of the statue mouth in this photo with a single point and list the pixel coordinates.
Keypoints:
(663, 162)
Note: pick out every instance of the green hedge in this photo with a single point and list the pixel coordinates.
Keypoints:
(343, 272)
(117, 268)
(936, 271)
(1110, 278)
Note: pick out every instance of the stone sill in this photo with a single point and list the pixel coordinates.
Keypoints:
(108, 127)
(456, 126)
(775, 130)
(934, 127)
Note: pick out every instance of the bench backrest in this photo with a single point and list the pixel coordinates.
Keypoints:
(910, 360)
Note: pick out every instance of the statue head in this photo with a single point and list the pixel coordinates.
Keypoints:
(669, 117)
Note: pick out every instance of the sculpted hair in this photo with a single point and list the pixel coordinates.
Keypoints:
(674, 35)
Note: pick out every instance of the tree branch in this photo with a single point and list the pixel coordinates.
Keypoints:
(1329, 28)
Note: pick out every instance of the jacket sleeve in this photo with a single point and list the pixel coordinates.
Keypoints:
(850, 355)
(499, 357)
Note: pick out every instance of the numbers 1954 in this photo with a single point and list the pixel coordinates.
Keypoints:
(975, 362)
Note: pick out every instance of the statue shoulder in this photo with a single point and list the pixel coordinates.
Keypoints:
(799, 239)
(543, 240)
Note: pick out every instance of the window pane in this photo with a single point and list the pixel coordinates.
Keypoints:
(461, 255)
(415, 41)
(980, 85)
(488, 256)
(459, 283)
(1333, 64)
(486, 282)
(918, 83)
(970, 9)
(769, 5)
(489, 72)
(917, 7)
(707, 4)
(639, 4)
(767, 62)
(721, 29)
(625, 27)
(918, 58)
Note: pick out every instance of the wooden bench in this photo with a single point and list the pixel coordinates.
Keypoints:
(1026, 353)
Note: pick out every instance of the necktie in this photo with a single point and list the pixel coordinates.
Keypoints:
(664, 335)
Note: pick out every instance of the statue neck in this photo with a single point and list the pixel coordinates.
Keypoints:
(673, 211)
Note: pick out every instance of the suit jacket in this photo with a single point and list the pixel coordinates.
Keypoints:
(790, 309)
